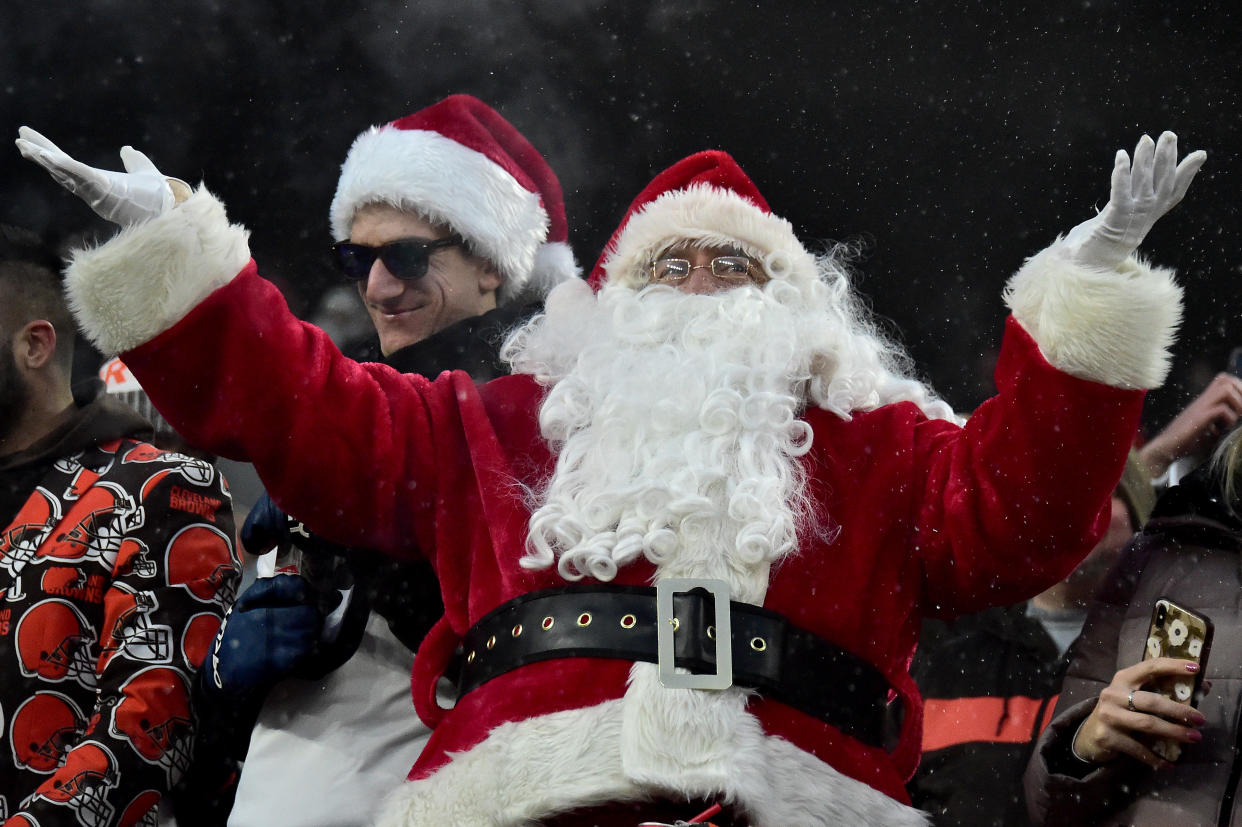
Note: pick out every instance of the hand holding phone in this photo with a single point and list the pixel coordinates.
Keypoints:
(1177, 632)
(1147, 710)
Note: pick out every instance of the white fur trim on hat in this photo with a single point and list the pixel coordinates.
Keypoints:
(1114, 327)
(554, 264)
(447, 183)
(710, 216)
(151, 275)
(530, 769)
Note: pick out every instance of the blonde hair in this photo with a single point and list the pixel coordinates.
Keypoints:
(1226, 460)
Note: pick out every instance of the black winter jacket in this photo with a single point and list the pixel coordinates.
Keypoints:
(989, 681)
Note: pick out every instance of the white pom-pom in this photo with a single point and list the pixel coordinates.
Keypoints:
(778, 264)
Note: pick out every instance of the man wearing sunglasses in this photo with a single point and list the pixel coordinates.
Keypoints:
(452, 227)
(721, 419)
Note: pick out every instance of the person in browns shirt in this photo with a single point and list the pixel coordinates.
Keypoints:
(116, 565)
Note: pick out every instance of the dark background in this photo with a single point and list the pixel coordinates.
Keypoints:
(954, 139)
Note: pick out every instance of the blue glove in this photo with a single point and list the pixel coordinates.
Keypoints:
(267, 527)
(271, 630)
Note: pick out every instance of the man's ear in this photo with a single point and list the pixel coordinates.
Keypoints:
(34, 347)
(491, 278)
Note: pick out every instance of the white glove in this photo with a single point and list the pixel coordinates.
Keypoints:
(140, 193)
(1141, 193)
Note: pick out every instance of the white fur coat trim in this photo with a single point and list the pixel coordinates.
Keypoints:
(531, 769)
(711, 216)
(1114, 327)
(447, 183)
(151, 275)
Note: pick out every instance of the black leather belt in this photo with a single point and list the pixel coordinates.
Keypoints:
(771, 655)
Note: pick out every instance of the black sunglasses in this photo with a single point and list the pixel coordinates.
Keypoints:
(406, 258)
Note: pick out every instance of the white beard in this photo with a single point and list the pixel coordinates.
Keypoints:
(675, 419)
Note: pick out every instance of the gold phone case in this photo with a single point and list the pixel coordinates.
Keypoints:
(1177, 632)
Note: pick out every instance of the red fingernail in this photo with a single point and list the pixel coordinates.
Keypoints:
(1194, 735)
(1192, 667)
(1198, 719)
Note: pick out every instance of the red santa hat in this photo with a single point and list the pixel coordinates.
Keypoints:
(704, 199)
(459, 163)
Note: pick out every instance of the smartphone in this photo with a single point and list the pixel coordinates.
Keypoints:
(1177, 632)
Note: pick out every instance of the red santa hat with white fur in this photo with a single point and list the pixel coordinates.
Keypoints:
(705, 199)
(458, 162)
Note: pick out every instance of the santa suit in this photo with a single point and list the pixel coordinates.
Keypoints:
(927, 517)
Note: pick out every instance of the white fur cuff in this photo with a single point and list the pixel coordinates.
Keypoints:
(1114, 327)
(151, 275)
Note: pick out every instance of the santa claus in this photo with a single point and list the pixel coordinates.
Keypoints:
(684, 550)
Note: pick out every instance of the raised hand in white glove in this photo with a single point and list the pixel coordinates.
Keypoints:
(1142, 191)
(136, 195)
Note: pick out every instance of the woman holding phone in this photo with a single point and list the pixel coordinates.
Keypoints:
(1127, 744)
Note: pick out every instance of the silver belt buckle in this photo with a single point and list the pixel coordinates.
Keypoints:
(666, 626)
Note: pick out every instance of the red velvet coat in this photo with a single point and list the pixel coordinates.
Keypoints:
(933, 518)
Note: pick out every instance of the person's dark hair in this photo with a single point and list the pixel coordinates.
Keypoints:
(31, 287)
